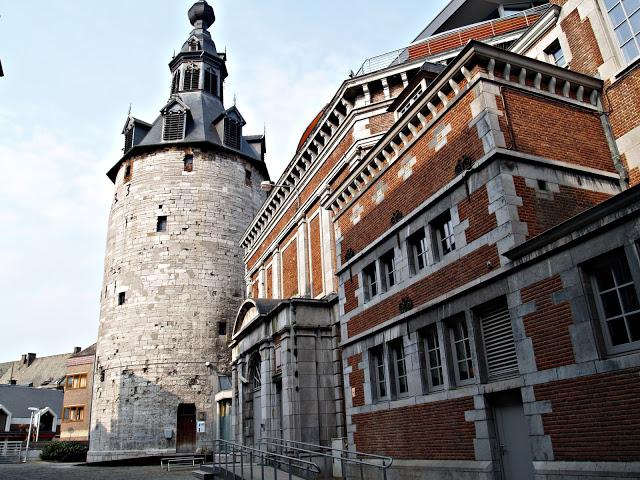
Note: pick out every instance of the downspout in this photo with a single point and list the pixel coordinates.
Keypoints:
(613, 146)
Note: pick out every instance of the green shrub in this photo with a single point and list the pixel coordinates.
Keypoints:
(65, 452)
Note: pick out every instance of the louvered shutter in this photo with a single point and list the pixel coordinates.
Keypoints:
(128, 140)
(174, 125)
(499, 346)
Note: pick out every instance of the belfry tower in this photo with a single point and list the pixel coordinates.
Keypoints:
(186, 188)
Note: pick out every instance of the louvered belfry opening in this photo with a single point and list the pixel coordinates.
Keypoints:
(128, 139)
(232, 132)
(175, 84)
(211, 82)
(174, 126)
(192, 78)
(499, 345)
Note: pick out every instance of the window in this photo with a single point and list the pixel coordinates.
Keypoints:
(188, 163)
(76, 381)
(370, 281)
(247, 177)
(128, 139)
(433, 358)
(194, 45)
(211, 82)
(411, 101)
(222, 329)
(399, 367)
(73, 414)
(161, 224)
(174, 126)
(444, 240)
(616, 298)
(417, 251)
(232, 132)
(556, 55)
(388, 264)
(191, 78)
(625, 19)
(461, 348)
(255, 375)
(378, 373)
(122, 298)
(175, 83)
(128, 167)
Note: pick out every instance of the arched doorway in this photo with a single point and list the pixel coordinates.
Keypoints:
(46, 423)
(186, 430)
(254, 404)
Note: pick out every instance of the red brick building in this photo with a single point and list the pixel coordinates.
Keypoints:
(474, 206)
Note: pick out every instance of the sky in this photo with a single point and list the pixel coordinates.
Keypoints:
(73, 69)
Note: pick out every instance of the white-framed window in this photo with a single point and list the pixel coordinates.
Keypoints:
(616, 296)
(556, 54)
(434, 373)
(370, 281)
(460, 340)
(378, 373)
(388, 266)
(398, 367)
(625, 20)
(417, 246)
(443, 237)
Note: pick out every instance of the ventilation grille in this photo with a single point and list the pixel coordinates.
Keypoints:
(192, 78)
(232, 133)
(499, 346)
(128, 140)
(174, 123)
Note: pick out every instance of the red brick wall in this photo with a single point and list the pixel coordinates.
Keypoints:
(434, 431)
(350, 287)
(541, 214)
(316, 256)
(381, 123)
(557, 131)
(595, 418)
(269, 286)
(548, 326)
(452, 276)
(290, 270)
(430, 173)
(583, 44)
(475, 208)
(356, 380)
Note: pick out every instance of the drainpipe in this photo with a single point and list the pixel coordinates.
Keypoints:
(613, 146)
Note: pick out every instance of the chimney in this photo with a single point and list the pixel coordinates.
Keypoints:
(13, 382)
(76, 349)
(23, 359)
(30, 358)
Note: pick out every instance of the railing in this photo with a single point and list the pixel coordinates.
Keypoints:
(453, 39)
(240, 460)
(186, 461)
(356, 462)
(10, 452)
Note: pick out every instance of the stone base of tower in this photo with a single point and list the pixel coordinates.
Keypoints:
(119, 455)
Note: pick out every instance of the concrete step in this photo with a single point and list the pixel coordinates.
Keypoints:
(245, 473)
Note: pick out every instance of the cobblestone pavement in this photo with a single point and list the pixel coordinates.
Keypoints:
(56, 471)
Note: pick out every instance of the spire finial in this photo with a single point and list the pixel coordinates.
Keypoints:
(201, 15)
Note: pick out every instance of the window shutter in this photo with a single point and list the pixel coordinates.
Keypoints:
(175, 86)
(499, 346)
(232, 133)
(128, 139)
(174, 126)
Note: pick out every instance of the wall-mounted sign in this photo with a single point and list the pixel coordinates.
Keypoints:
(201, 427)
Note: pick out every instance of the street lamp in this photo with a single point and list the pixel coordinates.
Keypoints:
(33, 410)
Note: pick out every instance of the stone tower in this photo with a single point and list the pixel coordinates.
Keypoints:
(186, 189)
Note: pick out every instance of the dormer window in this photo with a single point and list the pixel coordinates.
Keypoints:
(211, 82)
(232, 133)
(174, 125)
(128, 139)
(175, 84)
(194, 45)
(192, 78)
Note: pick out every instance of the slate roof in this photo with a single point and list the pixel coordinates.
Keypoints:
(43, 372)
(87, 352)
(18, 399)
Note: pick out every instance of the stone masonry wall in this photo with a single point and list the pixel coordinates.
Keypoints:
(178, 284)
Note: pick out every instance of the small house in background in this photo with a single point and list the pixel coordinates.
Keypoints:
(78, 385)
(31, 371)
(15, 401)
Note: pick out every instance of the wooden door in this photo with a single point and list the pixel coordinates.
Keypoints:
(186, 431)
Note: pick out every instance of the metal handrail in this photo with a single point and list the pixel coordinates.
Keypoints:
(265, 458)
(343, 455)
(395, 57)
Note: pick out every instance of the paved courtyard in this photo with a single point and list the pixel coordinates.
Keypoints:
(56, 471)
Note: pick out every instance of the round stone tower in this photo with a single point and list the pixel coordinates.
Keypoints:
(186, 188)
